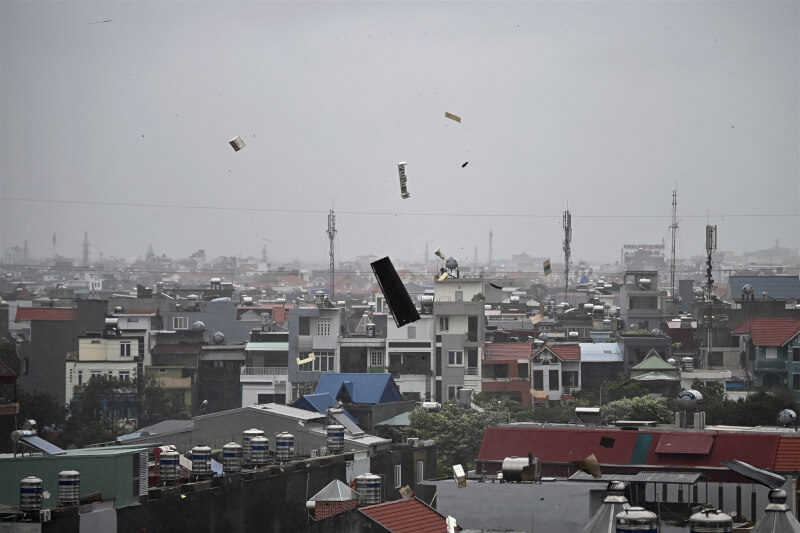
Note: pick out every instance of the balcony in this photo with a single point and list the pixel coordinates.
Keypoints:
(264, 371)
(771, 365)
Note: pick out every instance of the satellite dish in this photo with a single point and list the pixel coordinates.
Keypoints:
(747, 289)
(451, 263)
(198, 326)
(544, 337)
(218, 338)
(688, 400)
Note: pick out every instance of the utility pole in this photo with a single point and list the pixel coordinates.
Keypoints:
(331, 237)
(567, 243)
(490, 249)
(674, 230)
(711, 247)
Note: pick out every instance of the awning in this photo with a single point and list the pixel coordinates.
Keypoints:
(685, 443)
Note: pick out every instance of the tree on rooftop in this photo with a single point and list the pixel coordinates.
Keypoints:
(641, 408)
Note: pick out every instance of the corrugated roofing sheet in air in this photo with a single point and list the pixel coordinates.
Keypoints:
(643, 477)
(685, 443)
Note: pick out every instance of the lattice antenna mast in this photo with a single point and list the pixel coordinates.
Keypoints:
(567, 244)
(674, 230)
(711, 247)
(331, 238)
(491, 250)
(85, 248)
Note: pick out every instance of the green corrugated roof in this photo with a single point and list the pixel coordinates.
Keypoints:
(655, 376)
(653, 361)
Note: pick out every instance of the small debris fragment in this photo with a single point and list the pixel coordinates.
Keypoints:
(465, 164)
(452, 116)
(401, 167)
(237, 143)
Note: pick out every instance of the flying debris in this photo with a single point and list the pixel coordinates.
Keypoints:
(465, 164)
(401, 167)
(452, 116)
(308, 359)
(101, 21)
(237, 143)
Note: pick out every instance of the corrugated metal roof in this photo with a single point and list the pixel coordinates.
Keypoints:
(361, 387)
(406, 516)
(688, 443)
(777, 287)
(59, 314)
(765, 477)
(642, 477)
(602, 352)
(787, 458)
(335, 491)
(653, 361)
(267, 346)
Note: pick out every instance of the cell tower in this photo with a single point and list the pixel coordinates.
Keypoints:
(711, 247)
(490, 248)
(331, 237)
(674, 230)
(567, 243)
(427, 258)
(54, 246)
(85, 261)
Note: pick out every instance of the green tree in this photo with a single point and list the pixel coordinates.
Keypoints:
(158, 404)
(622, 387)
(641, 408)
(458, 433)
(101, 411)
(49, 414)
(8, 355)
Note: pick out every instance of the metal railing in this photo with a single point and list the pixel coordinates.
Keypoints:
(264, 371)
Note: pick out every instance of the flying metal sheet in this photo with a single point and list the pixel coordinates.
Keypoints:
(401, 167)
(452, 116)
(308, 359)
(237, 143)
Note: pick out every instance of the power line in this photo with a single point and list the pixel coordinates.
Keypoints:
(386, 213)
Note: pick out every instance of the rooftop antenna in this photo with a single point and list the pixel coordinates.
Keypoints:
(490, 249)
(711, 247)
(85, 261)
(54, 246)
(331, 237)
(567, 243)
(427, 258)
(674, 230)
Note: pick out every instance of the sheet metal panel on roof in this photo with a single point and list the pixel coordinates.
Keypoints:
(685, 443)
(642, 477)
(603, 352)
(765, 477)
(267, 346)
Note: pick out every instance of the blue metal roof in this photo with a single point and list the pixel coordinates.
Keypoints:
(601, 352)
(319, 403)
(360, 388)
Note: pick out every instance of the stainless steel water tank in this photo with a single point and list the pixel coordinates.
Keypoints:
(69, 488)
(231, 458)
(284, 446)
(260, 447)
(368, 487)
(335, 442)
(201, 461)
(30, 494)
(169, 466)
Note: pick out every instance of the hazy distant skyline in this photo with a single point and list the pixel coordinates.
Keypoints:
(120, 128)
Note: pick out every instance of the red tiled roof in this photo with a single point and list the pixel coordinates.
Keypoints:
(787, 457)
(406, 516)
(564, 445)
(62, 314)
(163, 349)
(504, 351)
(773, 331)
(688, 443)
(743, 328)
(565, 352)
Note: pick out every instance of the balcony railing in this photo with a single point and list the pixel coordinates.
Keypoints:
(264, 371)
(769, 364)
(471, 371)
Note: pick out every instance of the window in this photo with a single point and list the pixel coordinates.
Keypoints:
(162, 370)
(125, 349)
(420, 471)
(124, 375)
(554, 380)
(796, 355)
(444, 323)
(80, 377)
(772, 352)
(376, 358)
(538, 380)
(324, 326)
(304, 327)
(452, 392)
(96, 374)
(398, 471)
(459, 296)
(180, 322)
(131, 320)
(140, 346)
(323, 362)
(305, 367)
(796, 381)
(455, 358)
(411, 331)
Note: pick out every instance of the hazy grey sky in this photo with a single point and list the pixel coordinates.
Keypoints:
(120, 128)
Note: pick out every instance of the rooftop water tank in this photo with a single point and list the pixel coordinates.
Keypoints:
(284, 446)
(69, 488)
(368, 487)
(688, 400)
(169, 466)
(517, 469)
(247, 436)
(201, 461)
(30, 494)
(636, 519)
(687, 364)
(335, 442)
(710, 521)
(259, 451)
(787, 417)
(231, 458)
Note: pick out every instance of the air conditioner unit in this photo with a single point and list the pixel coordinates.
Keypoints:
(314, 453)
(413, 441)
(44, 515)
